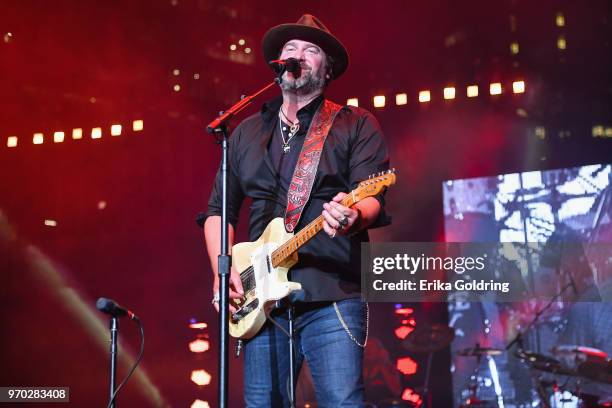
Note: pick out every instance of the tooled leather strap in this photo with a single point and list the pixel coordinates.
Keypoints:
(308, 162)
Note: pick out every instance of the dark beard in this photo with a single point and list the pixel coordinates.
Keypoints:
(305, 84)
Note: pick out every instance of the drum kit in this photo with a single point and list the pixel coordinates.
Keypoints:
(582, 364)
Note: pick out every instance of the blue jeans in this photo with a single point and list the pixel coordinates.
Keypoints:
(334, 359)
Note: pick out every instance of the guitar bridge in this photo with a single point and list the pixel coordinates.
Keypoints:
(245, 310)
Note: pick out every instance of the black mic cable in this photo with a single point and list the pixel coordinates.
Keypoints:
(110, 307)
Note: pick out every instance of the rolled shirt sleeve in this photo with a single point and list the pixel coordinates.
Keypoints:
(369, 156)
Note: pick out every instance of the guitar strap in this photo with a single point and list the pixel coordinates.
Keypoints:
(308, 162)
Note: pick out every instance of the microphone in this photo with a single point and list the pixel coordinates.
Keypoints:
(289, 65)
(110, 307)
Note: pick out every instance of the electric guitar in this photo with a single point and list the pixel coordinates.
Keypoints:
(264, 264)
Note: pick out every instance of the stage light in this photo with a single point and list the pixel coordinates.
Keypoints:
(200, 377)
(403, 331)
(233, 47)
(424, 96)
(495, 88)
(194, 324)
(598, 131)
(247, 50)
(410, 395)
(241, 41)
(199, 404)
(406, 365)
(115, 130)
(51, 223)
(514, 48)
(401, 99)
(77, 133)
(58, 137)
(560, 20)
(101, 205)
(352, 102)
(176, 87)
(196, 76)
(518, 87)
(404, 311)
(379, 101)
(11, 141)
(137, 125)
(472, 91)
(176, 72)
(449, 93)
(608, 132)
(199, 346)
(38, 138)
(8, 37)
(96, 133)
(540, 132)
(561, 43)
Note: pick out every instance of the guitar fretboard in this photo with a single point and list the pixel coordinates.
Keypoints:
(287, 249)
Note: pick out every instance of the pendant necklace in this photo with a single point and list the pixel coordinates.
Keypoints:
(293, 129)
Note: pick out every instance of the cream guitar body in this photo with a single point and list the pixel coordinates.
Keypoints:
(253, 259)
(264, 264)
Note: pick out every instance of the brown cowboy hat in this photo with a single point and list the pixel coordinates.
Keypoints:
(311, 29)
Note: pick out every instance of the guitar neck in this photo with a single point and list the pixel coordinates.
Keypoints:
(290, 247)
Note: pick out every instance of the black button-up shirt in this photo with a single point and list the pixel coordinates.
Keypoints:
(328, 269)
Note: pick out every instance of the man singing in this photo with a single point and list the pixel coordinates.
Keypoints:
(264, 151)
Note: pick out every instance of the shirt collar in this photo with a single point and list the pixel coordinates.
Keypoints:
(270, 109)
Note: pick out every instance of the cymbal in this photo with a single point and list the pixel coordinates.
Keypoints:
(578, 353)
(544, 363)
(588, 362)
(479, 352)
(428, 338)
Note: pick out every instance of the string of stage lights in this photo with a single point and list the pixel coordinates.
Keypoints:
(77, 134)
(378, 101)
(448, 93)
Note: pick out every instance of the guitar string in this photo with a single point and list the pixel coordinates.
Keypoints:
(317, 220)
(347, 202)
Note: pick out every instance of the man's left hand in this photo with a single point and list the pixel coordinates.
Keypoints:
(338, 219)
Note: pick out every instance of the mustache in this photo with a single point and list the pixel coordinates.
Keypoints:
(304, 65)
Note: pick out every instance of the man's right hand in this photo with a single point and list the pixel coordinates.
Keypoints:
(236, 292)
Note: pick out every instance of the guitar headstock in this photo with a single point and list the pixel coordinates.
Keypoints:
(374, 184)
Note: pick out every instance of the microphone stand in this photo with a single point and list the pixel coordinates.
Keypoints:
(220, 128)
(114, 330)
(518, 339)
(519, 336)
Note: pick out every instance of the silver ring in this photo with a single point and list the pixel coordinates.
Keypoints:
(215, 299)
(333, 235)
(344, 221)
